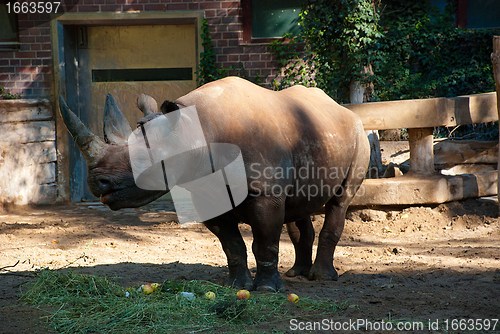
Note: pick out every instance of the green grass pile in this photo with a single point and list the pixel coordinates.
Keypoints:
(78, 303)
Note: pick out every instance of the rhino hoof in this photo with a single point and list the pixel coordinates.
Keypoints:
(323, 274)
(244, 282)
(298, 271)
(266, 288)
(273, 284)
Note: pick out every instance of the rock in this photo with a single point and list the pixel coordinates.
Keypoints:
(371, 215)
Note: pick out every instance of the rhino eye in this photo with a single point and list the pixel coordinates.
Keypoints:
(103, 182)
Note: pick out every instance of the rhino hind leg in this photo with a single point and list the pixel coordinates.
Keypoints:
(301, 234)
(335, 210)
(329, 236)
(233, 245)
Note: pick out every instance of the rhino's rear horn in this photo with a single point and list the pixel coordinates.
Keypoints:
(147, 104)
(116, 126)
(91, 146)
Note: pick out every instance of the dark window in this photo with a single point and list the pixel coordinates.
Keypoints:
(478, 14)
(8, 29)
(483, 14)
(142, 74)
(263, 19)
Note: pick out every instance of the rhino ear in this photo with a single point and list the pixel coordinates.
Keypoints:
(116, 127)
(147, 104)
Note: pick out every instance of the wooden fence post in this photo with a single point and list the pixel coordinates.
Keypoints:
(495, 58)
(421, 151)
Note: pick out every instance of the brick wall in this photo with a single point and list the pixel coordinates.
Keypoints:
(28, 70)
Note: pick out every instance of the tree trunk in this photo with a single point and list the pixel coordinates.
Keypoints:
(357, 94)
(495, 58)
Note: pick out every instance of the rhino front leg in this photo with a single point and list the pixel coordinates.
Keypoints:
(236, 252)
(301, 233)
(266, 217)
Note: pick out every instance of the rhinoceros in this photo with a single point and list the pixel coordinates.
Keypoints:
(297, 138)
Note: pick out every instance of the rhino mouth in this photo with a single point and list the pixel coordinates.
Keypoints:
(113, 199)
(106, 198)
(121, 198)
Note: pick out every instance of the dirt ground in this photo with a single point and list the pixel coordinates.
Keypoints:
(411, 264)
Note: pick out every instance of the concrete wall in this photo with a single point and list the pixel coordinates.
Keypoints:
(27, 152)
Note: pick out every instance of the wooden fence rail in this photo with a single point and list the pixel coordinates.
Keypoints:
(423, 185)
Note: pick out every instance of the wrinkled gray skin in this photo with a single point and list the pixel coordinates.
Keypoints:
(295, 128)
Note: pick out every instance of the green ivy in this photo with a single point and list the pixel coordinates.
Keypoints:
(414, 50)
(208, 69)
(341, 36)
(298, 66)
(424, 55)
(5, 95)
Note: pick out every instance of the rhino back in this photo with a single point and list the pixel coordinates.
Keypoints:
(296, 128)
(235, 110)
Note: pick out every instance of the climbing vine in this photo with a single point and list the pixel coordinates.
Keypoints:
(339, 39)
(413, 49)
(298, 65)
(5, 95)
(208, 69)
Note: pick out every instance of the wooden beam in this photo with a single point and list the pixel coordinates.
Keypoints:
(449, 153)
(436, 189)
(427, 113)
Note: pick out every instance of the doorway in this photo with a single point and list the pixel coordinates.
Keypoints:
(125, 60)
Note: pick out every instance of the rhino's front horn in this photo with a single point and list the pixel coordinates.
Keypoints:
(147, 104)
(116, 126)
(91, 146)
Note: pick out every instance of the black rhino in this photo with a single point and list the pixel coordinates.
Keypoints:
(297, 139)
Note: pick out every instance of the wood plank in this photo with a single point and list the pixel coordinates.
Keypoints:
(468, 169)
(20, 133)
(25, 110)
(454, 152)
(427, 113)
(411, 190)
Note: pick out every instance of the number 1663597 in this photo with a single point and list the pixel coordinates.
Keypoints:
(33, 7)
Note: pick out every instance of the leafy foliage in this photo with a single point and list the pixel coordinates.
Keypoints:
(423, 54)
(5, 95)
(208, 69)
(343, 33)
(340, 38)
(298, 66)
(414, 50)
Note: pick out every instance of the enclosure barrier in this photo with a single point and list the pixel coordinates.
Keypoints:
(423, 184)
